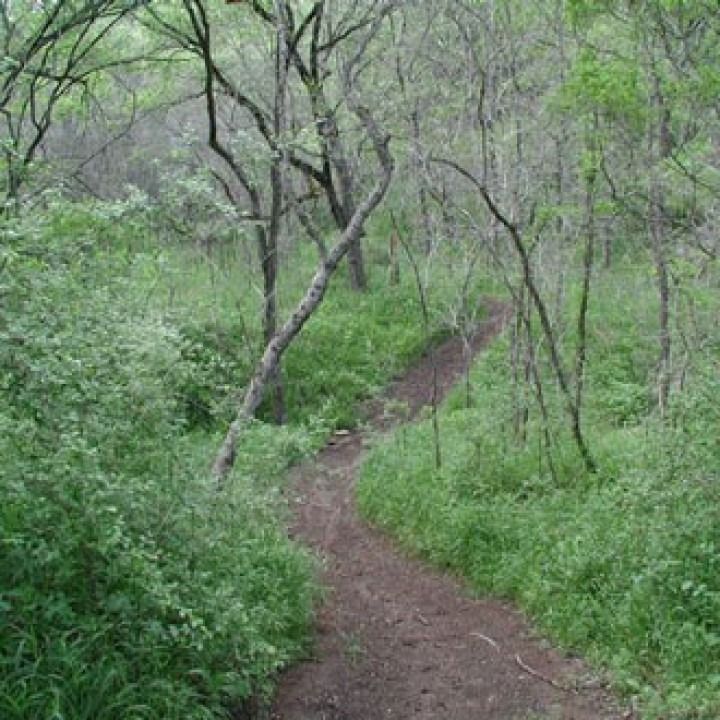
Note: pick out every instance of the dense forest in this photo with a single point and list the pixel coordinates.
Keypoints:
(226, 225)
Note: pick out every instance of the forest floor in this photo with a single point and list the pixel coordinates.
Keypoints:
(397, 639)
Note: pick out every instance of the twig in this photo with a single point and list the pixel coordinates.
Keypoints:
(544, 678)
(487, 639)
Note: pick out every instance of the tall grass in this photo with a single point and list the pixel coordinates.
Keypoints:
(622, 565)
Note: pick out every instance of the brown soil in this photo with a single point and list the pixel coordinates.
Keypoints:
(396, 639)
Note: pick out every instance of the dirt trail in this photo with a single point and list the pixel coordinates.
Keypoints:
(396, 639)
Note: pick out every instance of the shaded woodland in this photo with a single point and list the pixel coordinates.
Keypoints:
(225, 225)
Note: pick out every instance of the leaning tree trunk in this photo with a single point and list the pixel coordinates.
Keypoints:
(267, 366)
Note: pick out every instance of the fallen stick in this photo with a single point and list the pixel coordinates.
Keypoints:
(544, 678)
(487, 639)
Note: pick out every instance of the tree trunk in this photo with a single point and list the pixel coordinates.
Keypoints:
(419, 169)
(270, 259)
(394, 259)
(520, 410)
(356, 261)
(268, 364)
(657, 242)
(266, 239)
(435, 396)
(556, 361)
(588, 262)
(660, 147)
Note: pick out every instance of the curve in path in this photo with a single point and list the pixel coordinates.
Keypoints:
(396, 639)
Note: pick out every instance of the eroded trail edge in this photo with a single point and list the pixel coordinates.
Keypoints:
(396, 639)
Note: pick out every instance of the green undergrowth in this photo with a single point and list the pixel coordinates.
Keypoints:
(348, 350)
(351, 349)
(622, 565)
(129, 586)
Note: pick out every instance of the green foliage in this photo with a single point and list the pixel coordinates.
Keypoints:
(621, 358)
(611, 87)
(216, 356)
(128, 586)
(189, 600)
(367, 340)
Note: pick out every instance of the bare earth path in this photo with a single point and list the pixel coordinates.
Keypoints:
(395, 639)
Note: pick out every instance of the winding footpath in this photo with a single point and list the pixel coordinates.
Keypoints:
(396, 639)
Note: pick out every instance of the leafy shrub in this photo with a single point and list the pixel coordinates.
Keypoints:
(128, 586)
(217, 356)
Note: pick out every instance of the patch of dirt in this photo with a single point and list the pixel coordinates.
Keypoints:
(396, 639)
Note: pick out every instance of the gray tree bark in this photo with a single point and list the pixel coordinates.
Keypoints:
(266, 367)
(556, 362)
